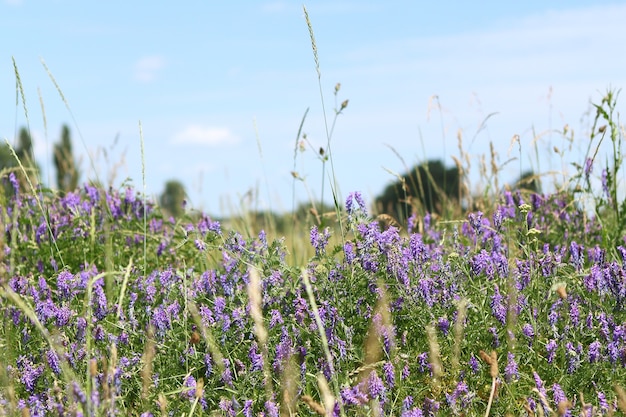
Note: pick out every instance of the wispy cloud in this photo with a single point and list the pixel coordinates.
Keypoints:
(205, 135)
(14, 2)
(147, 68)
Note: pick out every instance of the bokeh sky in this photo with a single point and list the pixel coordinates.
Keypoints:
(220, 88)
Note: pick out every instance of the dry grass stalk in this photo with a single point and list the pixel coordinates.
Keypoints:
(373, 351)
(562, 292)
(255, 296)
(162, 401)
(494, 165)
(147, 359)
(256, 305)
(434, 357)
(289, 388)
(563, 407)
(313, 405)
(328, 399)
(492, 361)
(621, 398)
(458, 335)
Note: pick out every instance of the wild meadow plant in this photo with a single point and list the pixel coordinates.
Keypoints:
(518, 311)
(110, 308)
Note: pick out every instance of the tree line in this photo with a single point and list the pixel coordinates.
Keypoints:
(429, 187)
(67, 173)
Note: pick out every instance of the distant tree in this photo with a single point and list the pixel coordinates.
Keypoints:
(173, 198)
(67, 173)
(24, 153)
(528, 181)
(429, 186)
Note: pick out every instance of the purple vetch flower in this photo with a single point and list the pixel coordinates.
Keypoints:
(603, 404)
(355, 196)
(474, 364)
(543, 395)
(553, 315)
(559, 397)
(422, 360)
(594, 352)
(348, 250)
(375, 387)
(430, 407)
(53, 361)
(510, 371)
(496, 338)
(354, 395)
(498, 308)
(406, 372)
(576, 255)
(476, 221)
(271, 408)
(255, 358)
(99, 300)
(15, 184)
(572, 354)
(190, 384)
(200, 245)
(390, 375)
(29, 372)
(407, 403)
(227, 407)
(414, 412)
(275, 318)
(551, 350)
(319, 240)
(227, 375)
(247, 408)
(444, 325)
(529, 332)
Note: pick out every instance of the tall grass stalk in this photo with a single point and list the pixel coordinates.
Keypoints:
(329, 152)
(322, 333)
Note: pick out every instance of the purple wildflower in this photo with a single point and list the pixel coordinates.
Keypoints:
(375, 386)
(247, 408)
(271, 408)
(543, 397)
(53, 361)
(559, 397)
(576, 255)
(551, 350)
(474, 364)
(14, 183)
(227, 407)
(496, 338)
(255, 358)
(390, 376)
(30, 372)
(319, 240)
(510, 371)
(498, 308)
(350, 205)
(348, 250)
(528, 331)
(594, 351)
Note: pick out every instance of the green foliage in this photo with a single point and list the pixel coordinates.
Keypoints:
(173, 198)
(64, 162)
(429, 188)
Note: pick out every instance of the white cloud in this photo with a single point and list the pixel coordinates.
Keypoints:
(205, 136)
(147, 68)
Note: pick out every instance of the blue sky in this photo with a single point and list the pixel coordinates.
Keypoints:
(220, 88)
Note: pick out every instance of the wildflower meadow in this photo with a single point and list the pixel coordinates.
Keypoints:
(514, 304)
